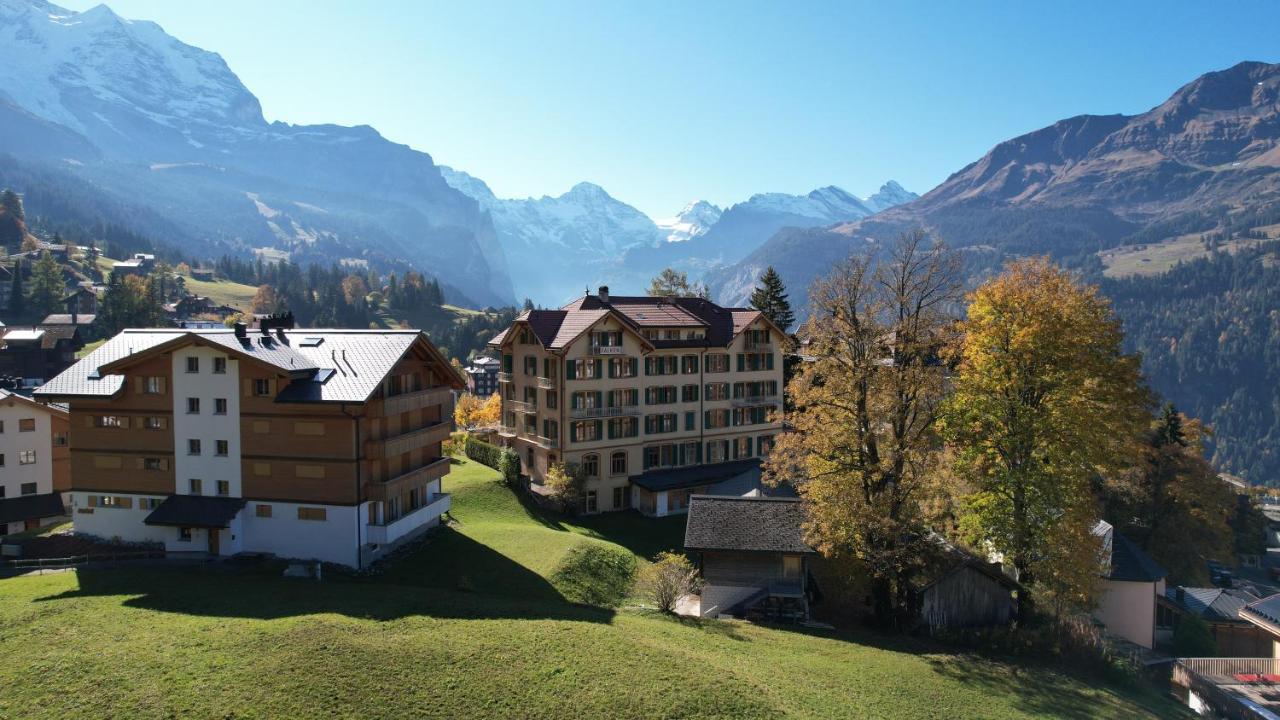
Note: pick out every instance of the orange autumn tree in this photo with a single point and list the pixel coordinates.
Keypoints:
(1045, 400)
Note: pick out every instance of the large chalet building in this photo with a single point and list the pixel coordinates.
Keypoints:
(653, 398)
(309, 444)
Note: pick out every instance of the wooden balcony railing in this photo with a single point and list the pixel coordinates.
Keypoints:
(436, 468)
(407, 402)
(580, 413)
(407, 441)
(546, 383)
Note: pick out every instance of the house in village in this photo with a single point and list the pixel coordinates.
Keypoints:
(32, 355)
(482, 376)
(752, 555)
(1219, 608)
(34, 463)
(1132, 583)
(140, 265)
(654, 399)
(311, 444)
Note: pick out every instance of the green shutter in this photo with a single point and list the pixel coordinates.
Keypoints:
(570, 368)
(742, 362)
(768, 363)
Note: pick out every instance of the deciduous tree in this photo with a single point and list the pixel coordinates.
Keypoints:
(674, 283)
(865, 410)
(1045, 400)
(670, 577)
(565, 483)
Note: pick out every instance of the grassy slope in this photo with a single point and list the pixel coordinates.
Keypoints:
(1160, 257)
(222, 642)
(223, 292)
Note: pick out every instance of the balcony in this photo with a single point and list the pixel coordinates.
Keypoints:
(407, 441)
(607, 350)
(504, 377)
(522, 406)
(1236, 688)
(584, 413)
(753, 400)
(433, 470)
(546, 442)
(407, 402)
(761, 344)
(388, 532)
(508, 431)
(546, 383)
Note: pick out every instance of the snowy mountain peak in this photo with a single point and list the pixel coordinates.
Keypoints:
(890, 194)
(693, 220)
(469, 185)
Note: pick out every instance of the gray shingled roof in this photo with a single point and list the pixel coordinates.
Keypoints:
(359, 360)
(1127, 561)
(694, 475)
(1266, 610)
(200, 511)
(1217, 604)
(745, 524)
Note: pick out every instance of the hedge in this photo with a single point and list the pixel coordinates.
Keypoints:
(504, 460)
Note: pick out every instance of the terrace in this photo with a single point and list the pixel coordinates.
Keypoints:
(1234, 688)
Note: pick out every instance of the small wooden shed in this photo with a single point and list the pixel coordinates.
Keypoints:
(972, 593)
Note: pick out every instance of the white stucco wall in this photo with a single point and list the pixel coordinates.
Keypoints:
(125, 524)
(1128, 609)
(12, 442)
(331, 540)
(206, 426)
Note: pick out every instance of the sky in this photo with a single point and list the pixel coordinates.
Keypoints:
(663, 103)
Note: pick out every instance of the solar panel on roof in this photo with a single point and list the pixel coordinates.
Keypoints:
(311, 342)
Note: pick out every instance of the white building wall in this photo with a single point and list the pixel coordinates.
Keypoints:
(13, 475)
(284, 534)
(206, 426)
(125, 524)
(717, 599)
(1128, 609)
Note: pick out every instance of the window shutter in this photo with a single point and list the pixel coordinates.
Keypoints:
(138, 384)
(161, 381)
(88, 421)
(247, 386)
(140, 462)
(742, 362)
(164, 423)
(768, 361)
(599, 398)
(706, 419)
(749, 453)
(271, 387)
(571, 371)
(164, 463)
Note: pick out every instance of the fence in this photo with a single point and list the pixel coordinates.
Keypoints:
(39, 565)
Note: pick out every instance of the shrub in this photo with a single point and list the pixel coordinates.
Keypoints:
(504, 460)
(1192, 638)
(595, 574)
(668, 579)
(509, 465)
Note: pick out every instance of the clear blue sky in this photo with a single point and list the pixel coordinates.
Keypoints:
(666, 102)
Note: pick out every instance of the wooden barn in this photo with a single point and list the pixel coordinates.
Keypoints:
(971, 593)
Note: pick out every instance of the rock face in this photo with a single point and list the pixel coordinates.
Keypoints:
(1080, 185)
(122, 104)
(693, 220)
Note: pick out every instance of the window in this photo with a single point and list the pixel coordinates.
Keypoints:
(585, 430)
(552, 399)
(1, 426)
(27, 457)
(791, 567)
(193, 364)
(262, 469)
(663, 423)
(1, 459)
(623, 367)
(764, 444)
(109, 421)
(193, 406)
(224, 487)
(153, 386)
(690, 420)
(621, 498)
(220, 447)
(660, 395)
(591, 501)
(741, 448)
(530, 365)
(262, 511)
(310, 513)
(551, 429)
(717, 451)
(618, 463)
(28, 488)
(219, 406)
(583, 369)
(27, 425)
(193, 447)
(716, 363)
(262, 427)
(627, 397)
(60, 439)
(751, 362)
(149, 503)
(689, 364)
(153, 423)
(591, 465)
(665, 365)
(716, 419)
(689, 393)
(152, 464)
(184, 534)
(195, 486)
(220, 365)
(607, 338)
(261, 387)
(623, 427)
(110, 501)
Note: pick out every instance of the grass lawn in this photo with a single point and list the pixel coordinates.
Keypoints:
(244, 642)
(223, 292)
(90, 347)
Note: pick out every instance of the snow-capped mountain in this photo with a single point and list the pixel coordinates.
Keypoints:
(139, 114)
(695, 219)
(889, 195)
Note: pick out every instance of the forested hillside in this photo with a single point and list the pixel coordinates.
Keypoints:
(1209, 333)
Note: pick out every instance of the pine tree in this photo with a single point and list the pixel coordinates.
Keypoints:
(47, 286)
(17, 295)
(770, 298)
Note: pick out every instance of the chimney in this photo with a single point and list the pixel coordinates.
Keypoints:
(280, 334)
(604, 293)
(240, 328)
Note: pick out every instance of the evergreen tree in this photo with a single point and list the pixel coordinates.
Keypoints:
(17, 295)
(12, 204)
(770, 298)
(47, 286)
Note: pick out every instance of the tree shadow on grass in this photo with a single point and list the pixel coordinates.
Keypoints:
(262, 593)
(644, 536)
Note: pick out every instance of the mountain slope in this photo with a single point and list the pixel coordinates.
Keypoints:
(1084, 184)
(693, 220)
(121, 104)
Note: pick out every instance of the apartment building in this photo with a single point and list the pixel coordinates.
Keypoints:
(34, 463)
(482, 376)
(308, 444)
(654, 399)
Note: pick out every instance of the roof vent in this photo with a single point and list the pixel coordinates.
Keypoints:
(240, 328)
(604, 293)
